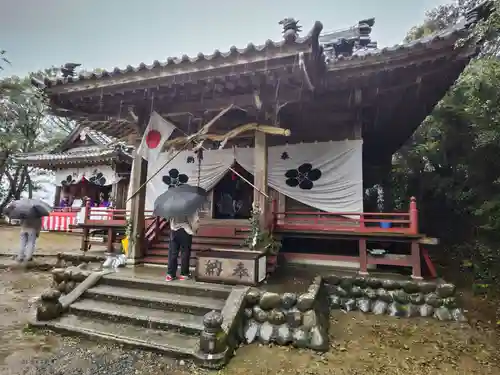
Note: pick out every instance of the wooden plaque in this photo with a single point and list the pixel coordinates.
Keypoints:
(236, 267)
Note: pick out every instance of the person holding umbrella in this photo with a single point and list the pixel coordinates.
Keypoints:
(180, 205)
(182, 230)
(30, 212)
(30, 231)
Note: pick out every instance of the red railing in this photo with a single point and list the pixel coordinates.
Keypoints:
(61, 219)
(378, 222)
(103, 215)
(155, 228)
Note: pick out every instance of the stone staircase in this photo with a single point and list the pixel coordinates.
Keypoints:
(146, 313)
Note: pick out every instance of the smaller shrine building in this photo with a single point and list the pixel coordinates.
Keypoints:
(87, 164)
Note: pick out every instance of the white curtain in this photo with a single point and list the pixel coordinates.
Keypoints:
(101, 175)
(184, 169)
(327, 175)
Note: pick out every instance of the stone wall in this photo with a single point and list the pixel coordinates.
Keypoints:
(301, 320)
(394, 298)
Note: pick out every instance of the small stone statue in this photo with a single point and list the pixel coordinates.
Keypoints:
(212, 339)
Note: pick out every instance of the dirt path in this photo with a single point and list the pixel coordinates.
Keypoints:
(47, 243)
(361, 344)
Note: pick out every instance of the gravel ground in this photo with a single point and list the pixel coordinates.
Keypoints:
(361, 344)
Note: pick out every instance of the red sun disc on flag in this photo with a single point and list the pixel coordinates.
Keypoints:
(153, 138)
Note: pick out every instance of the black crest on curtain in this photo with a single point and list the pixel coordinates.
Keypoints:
(303, 177)
(69, 180)
(174, 178)
(97, 178)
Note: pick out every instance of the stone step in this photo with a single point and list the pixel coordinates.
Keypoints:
(152, 299)
(172, 343)
(185, 288)
(139, 316)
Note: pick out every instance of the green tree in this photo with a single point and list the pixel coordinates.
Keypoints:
(451, 163)
(25, 126)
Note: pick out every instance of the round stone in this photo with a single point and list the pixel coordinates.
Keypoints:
(259, 315)
(269, 300)
(445, 290)
(364, 305)
(410, 287)
(288, 300)
(374, 283)
(356, 291)
(284, 335)
(433, 300)
(443, 313)
(370, 293)
(384, 295)
(276, 317)
(379, 307)
(426, 287)
(252, 297)
(401, 297)
(294, 318)
(305, 302)
(417, 298)
(389, 284)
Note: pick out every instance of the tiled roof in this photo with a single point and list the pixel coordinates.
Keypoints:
(291, 43)
(98, 137)
(88, 153)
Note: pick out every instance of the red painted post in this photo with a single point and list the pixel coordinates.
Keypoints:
(413, 216)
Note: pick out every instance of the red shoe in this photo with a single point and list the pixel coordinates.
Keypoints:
(183, 277)
(168, 278)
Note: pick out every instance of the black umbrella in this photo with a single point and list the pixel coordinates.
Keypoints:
(27, 209)
(179, 201)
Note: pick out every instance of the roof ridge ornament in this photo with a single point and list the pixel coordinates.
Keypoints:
(68, 69)
(291, 29)
(480, 12)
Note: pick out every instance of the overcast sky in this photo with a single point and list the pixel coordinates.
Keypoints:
(108, 33)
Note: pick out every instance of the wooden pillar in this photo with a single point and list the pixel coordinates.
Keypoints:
(57, 196)
(138, 177)
(260, 177)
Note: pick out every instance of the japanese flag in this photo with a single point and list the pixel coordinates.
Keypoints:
(157, 132)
